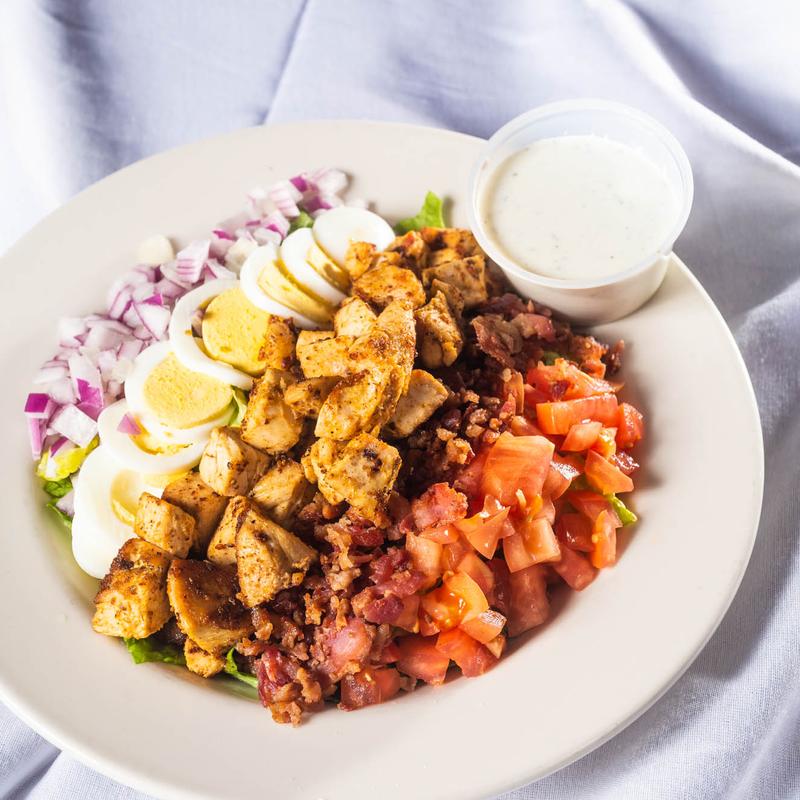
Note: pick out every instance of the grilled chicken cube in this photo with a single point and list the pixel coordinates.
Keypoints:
(164, 525)
(444, 256)
(306, 397)
(203, 598)
(191, 493)
(269, 423)
(354, 318)
(453, 294)
(358, 258)
(459, 240)
(413, 250)
(283, 491)
(468, 275)
(362, 472)
(132, 600)
(229, 465)
(351, 406)
(268, 557)
(324, 357)
(200, 661)
(425, 394)
(222, 547)
(278, 349)
(383, 284)
(439, 336)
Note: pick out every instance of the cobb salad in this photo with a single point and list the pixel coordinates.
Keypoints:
(330, 457)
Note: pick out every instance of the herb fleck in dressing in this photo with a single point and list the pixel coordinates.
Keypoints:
(578, 207)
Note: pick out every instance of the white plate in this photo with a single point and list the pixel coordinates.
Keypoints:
(606, 656)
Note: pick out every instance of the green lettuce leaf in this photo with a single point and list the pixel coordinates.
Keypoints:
(305, 220)
(549, 357)
(240, 398)
(143, 650)
(58, 488)
(233, 670)
(63, 518)
(626, 516)
(430, 216)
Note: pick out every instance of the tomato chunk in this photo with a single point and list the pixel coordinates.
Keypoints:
(630, 426)
(475, 602)
(485, 627)
(604, 538)
(445, 608)
(474, 566)
(470, 655)
(575, 531)
(483, 530)
(368, 687)
(540, 540)
(590, 504)
(426, 556)
(581, 436)
(443, 534)
(575, 569)
(516, 554)
(420, 659)
(604, 476)
(565, 380)
(516, 463)
(529, 605)
(453, 553)
(559, 417)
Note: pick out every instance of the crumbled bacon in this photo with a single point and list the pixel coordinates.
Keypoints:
(438, 505)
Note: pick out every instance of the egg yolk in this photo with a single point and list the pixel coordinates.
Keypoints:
(181, 398)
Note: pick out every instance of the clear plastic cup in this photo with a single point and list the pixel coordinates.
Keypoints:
(610, 297)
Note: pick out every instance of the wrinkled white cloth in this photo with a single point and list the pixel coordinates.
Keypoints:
(87, 86)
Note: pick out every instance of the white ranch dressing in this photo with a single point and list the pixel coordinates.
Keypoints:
(578, 207)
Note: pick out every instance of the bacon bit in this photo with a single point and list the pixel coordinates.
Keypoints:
(439, 505)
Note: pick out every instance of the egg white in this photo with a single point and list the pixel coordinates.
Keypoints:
(335, 230)
(294, 253)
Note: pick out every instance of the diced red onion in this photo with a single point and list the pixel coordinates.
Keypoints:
(129, 426)
(216, 270)
(329, 181)
(66, 504)
(190, 260)
(36, 428)
(52, 371)
(89, 394)
(222, 234)
(286, 196)
(169, 289)
(154, 318)
(267, 236)
(62, 391)
(75, 424)
(130, 349)
(300, 183)
(100, 338)
(39, 406)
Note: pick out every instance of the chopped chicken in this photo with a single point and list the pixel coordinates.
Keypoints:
(283, 491)
(268, 557)
(324, 357)
(354, 318)
(164, 525)
(203, 597)
(425, 394)
(362, 472)
(200, 661)
(229, 465)
(413, 250)
(132, 600)
(382, 284)
(269, 422)
(459, 240)
(358, 258)
(222, 547)
(443, 256)
(278, 349)
(468, 275)
(353, 405)
(306, 397)
(390, 343)
(195, 497)
(439, 336)
(453, 294)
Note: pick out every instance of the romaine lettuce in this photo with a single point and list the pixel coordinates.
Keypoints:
(150, 649)
(429, 216)
(233, 670)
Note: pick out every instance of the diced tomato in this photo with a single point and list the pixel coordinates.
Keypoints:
(516, 462)
(427, 627)
(497, 645)
(630, 426)
(443, 534)
(453, 553)
(575, 569)
(559, 417)
(522, 426)
(575, 531)
(368, 687)
(483, 530)
(581, 436)
(390, 653)
(534, 396)
(485, 626)
(529, 605)
(500, 597)
(623, 461)
(516, 554)
(474, 566)
(547, 511)
(604, 537)
(565, 380)
(444, 607)
(515, 387)
(471, 656)
(426, 556)
(420, 659)
(408, 619)
(606, 443)
(604, 476)
(464, 586)
(590, 504)
(437, 506)
(469, 479)
(540, 540)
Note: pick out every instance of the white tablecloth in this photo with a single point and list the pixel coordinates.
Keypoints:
(87, 86)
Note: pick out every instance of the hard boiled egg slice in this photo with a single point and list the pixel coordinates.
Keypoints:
(335, 230)
(145, 453)
(106, 495)
(268, 286)
(188, 349)
(173, 403)
(294, 253)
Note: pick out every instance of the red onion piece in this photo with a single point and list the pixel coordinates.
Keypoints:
(129, 426)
